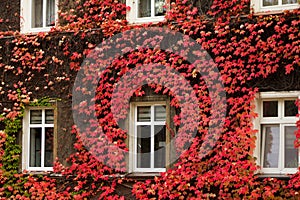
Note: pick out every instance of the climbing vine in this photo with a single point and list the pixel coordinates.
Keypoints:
(249, 51)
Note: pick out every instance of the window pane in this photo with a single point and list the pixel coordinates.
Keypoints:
(271, 146)
(143, 146)
(290, 152)
(289, 1)
(50, 15)
(270, 109)
(160, 113)
(35, 147)
(290, 108)
(49, 136)
(159, 148)
(37, 13)
(143, 114)
(159, 7)
(144, 8)
(35, 116)
(49, 116)
(270, 2)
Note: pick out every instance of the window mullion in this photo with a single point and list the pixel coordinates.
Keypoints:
(281, 148)
(152, 8)
(43, 139)
(152, 137)
(44, 12)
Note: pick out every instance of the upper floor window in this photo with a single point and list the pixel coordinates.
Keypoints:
(38, 139)
(277, 126)
(38, 15)
(142, 11)
(274, 5)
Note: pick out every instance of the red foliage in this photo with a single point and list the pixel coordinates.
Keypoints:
(243, 48)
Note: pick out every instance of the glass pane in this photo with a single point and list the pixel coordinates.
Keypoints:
(290, 152)
(159, 7)
(35, 147)
(289, 1)
(270, 109)
(143, 114)
(290, 108)
(159, 146)
(50, 14)
(271, 146)
(144, 8)
(270, 2)
(35, 116)
(160, 113)
(49, 136)
(37, 13)
(49, 116)
(143, 146)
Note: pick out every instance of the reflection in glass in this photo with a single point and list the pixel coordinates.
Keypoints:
(270, 2)
(143, 146)
(272, 143)
(290, 108)
(35, 116)
(49, 146)
(49, 116)
(159, 7)
(290, 152)
(35, 147)
(159, 113)
(143, 113)
(50, 13)
(159, 146)
(289, 1)
(270, 109)
(144, 8)
(37, 13)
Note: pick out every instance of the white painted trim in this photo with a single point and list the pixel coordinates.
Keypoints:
(132, 14)
(26, 139)
(280, 120)
(26, 17)
(132, 136)
(258, 7)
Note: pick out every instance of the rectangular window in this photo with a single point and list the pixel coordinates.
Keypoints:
(274, 5)
(149, 138)
(38, 15)
(38, 139)
(277, 133)
(146, 10)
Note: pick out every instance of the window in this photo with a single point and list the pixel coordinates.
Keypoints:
(277, 124)
(148, 137)
(38, 139)
(38, 15)
(274, 5)
(146, 10)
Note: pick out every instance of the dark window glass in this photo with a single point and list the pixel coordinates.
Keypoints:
(270, 109)
(290, 108)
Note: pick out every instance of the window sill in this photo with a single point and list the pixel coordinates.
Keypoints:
(140, 21)
(35, 31)
(142, 175)
(275, 11)
(277, 176)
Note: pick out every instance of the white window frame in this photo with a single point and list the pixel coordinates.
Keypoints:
(26, 17)
(281, 121)
(26, 139)
(258, 7)
(132, 137)
(132, 14)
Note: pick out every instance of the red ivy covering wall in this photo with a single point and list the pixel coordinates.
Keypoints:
(245, 48)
